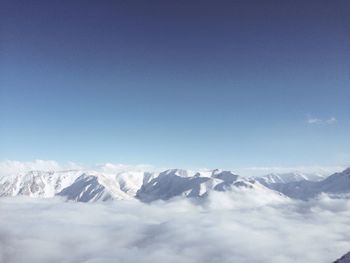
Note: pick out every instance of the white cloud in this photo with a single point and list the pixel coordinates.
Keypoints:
(314, 121)
(331, 120)
(225, 228)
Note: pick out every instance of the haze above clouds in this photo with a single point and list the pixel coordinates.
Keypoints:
(8, 167)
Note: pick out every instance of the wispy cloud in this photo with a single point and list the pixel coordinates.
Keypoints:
(331, 120)
(328, 121)
(314, 121)
(261, 170)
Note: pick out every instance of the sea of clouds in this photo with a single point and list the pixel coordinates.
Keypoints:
(235, 227)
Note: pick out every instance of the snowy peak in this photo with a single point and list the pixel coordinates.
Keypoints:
(176, 172)
(131, 182)
(89, 188)
(226, 176)
(225, 179)
(275, 178)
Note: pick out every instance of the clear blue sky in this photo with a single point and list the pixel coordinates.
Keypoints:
(176, 83)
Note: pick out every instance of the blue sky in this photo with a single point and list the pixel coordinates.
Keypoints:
(176, 83)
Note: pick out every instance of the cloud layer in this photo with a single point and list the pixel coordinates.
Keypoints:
(237, 227)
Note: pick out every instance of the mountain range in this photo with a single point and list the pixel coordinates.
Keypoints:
(89, 186)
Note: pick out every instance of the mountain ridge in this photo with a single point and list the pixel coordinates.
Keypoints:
(90, 186)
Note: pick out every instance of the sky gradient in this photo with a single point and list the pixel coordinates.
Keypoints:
(176, 83)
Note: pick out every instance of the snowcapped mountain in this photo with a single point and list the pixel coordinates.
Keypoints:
(172, 183)
(336, 184)
(37, 183)
(77, 185)
(89, 186)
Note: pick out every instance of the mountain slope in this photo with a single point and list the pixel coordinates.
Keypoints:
(89, 188)
(37, 183)
(336, 184)
(344, 259)
(274, 178)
